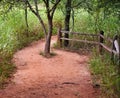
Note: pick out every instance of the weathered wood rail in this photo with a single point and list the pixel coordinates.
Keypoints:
(114, 49)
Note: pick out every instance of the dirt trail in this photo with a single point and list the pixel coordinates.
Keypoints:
(65, 75)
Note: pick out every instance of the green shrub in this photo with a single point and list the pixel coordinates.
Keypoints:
(107, 73)
(6, 69)
(14, 34)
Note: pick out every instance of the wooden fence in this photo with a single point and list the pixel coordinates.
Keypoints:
(114, 49)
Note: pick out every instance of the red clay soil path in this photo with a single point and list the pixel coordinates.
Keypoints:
(65, 75)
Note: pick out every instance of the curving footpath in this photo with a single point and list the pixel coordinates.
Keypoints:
(65, 75)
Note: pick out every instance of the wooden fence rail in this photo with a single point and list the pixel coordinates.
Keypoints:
(78, 33)
(113, 50)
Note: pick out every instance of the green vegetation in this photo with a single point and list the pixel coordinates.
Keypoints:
(106, 74)
(84, 22)
(6, 69)
(13, 32)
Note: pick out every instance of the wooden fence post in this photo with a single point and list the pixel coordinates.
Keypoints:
(59, 41)
(101, 40)
(119, 55)
(116, 47)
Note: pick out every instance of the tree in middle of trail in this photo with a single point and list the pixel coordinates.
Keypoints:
(50, 6)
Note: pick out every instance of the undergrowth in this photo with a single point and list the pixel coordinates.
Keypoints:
(107, 75)
(85, 23)
(6, 70)
(14, 34)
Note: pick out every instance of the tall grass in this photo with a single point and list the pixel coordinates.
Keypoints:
(107, 75)
(84, 22)
(14, 36)
(6, 70)
(13, 31)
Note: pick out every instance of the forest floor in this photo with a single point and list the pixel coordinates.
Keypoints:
(65, 75)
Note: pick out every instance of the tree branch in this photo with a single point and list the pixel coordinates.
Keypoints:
(37, 15)
(45, 2)
(79, 4)
(29, 5)
(47, 5)
(52, 10)
(36, 6)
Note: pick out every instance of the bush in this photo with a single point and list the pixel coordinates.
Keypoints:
(107, 75)
(6, 69)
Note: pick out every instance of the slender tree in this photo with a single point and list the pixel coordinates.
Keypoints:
(50, 6)
(26, 16)
(69, 9)
(50, 10)
(67, 20)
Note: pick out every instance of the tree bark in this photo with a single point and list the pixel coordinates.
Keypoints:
(67, 20)
(26, 18)
(50, 12)
(48, 38)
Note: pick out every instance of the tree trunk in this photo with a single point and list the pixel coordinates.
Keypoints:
(67, 20)
(26, 19)
(48, 38)
(50, 12)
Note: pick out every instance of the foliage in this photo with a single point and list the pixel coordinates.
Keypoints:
(6, 69)
(13, 34)
(100, 10)
(84, 22)
(106, 73)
